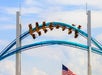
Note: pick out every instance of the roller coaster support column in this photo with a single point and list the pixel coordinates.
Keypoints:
(89, 40)
(18, 44)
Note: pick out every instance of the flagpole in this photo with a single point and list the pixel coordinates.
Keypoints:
(89, 40)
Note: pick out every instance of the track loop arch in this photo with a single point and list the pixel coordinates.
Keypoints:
(7, 52)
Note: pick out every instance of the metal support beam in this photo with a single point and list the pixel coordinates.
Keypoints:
(18, 44)
(89, 40)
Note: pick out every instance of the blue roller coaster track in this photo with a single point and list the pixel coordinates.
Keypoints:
(6, 52)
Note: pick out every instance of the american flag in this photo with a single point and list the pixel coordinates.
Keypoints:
(66, 71)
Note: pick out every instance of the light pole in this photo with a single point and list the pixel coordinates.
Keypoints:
(18, 43)
(89, 40)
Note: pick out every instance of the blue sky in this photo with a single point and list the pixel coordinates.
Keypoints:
(48, 60)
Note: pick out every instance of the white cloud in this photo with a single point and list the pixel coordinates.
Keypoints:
(96, 19)
(65, 55)
(99, 38)
(76, 17)
(56, 13)
(70, 17)
(95, 4)
(32, 3)
(96, 64)
(66, 2)
(7, 67)
(36, 71)
(24, 10)
(29, 1)
(30, 10)
(76, 60)
(46, 52)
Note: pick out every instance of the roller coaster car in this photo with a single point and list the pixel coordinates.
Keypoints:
(57, 26)
(39, 33)
(44, 23)
(44, 27)
(33, 35)
(37, 26)
(30, 29)
(51, 26)
(45, 30)
(79, 27)
(76, 34)
(73, 25)
(63, 28)
(69, 31)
